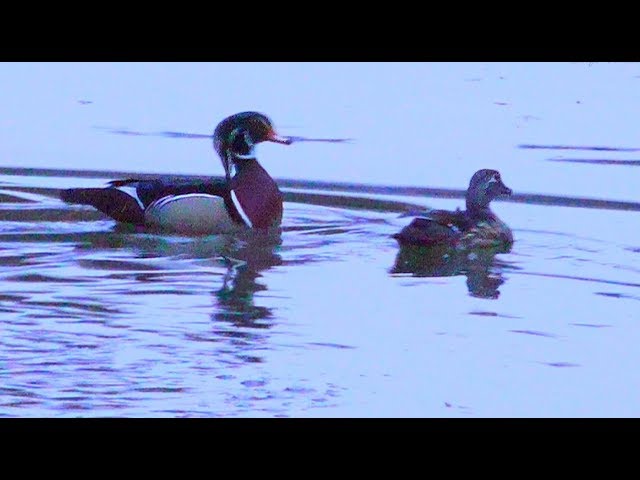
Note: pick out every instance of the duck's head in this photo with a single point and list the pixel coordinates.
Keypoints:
(236, 136)
(485, 185)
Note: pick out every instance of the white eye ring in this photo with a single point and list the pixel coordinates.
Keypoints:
(495, 178)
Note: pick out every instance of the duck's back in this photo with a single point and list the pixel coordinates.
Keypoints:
(441, 227)
(486, 233)
(459, 229)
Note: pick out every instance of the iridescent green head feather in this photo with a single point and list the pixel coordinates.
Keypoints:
(235, 137)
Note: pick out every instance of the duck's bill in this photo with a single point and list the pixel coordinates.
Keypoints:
(274, 137)
(326, 140)
(289, 140)
(504, 190)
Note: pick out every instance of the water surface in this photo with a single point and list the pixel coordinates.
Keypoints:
(325, 320)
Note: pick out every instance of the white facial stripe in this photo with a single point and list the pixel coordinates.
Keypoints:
(244, 216)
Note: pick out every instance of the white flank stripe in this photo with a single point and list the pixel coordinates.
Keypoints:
(236, 202)
(132, 192)
(162, 201)
(191, 213)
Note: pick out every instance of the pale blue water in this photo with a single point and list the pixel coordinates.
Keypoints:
(97, 321)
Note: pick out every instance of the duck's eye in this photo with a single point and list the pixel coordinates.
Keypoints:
(240, 142)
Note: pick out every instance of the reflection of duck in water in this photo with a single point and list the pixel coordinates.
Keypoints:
(482, 269)
(245, 262)
(463, 242)
(244, 255)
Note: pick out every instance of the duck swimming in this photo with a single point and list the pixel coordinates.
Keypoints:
(246, 198)
(475, 227)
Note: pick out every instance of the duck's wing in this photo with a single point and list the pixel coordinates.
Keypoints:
(128, 206)
(148, 191)
(439, 226)
(426, 231)
(112, 202)
(456, 220)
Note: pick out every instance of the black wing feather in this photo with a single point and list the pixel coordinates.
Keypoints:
(112, 202)
(124, 208)
(441, 226)
(151, 190)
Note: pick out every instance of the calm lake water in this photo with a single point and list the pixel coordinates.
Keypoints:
(327, 319)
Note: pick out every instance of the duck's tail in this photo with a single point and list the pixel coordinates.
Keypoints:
(112, 202)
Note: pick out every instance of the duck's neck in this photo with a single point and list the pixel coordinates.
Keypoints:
(258, 194)
(479, 212)
(242, 164)
(250, 170)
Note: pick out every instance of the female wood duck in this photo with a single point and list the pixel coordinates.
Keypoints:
(246, 197)
(475, 227)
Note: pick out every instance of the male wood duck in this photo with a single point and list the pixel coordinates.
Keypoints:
(246, 197)
(475, 227)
